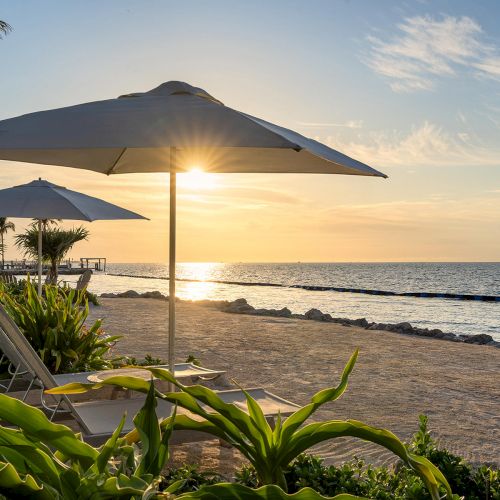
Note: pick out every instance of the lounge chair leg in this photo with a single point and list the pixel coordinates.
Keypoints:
(12, 379)
(28, 389)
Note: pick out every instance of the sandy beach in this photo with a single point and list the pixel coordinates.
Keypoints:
(397, 377)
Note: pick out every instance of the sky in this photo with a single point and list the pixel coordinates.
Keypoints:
(410, 88)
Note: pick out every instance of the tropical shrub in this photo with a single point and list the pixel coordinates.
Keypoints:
(269, 450)
(189, 478)
(43, 460)
(387, 483)
(147, 361)
(476, 483)
(55, 326)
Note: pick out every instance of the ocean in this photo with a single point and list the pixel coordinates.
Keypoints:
(272, 285)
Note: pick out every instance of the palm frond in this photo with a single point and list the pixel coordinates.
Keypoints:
(5, 29)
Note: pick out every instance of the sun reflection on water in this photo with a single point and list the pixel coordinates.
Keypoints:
(202, 272)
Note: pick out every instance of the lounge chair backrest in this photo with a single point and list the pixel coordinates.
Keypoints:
(84, 280)
(12, 354)
(26, 352)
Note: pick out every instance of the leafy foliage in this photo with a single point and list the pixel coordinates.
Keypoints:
(194, 360)
(43, 460)
(189, 478)
(387, 483)
(55, 326)
(269, 450)
(475, 483)
(5, 28)
(147, 361)
(231, 491)
(56, 243)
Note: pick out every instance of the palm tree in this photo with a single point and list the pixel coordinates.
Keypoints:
(5, 28)
(56, 243)
(5, 227)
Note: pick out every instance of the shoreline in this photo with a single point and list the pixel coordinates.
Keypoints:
(397, 377)
(241, 306)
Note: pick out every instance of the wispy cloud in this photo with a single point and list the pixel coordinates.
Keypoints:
(427, 48)
(427, 144)
(347, 124)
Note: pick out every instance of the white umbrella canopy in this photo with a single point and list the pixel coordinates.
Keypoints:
(135, 133)
(171, 128)
(43, 200)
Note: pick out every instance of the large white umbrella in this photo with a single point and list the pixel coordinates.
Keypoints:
(169, 129)
(43, 200)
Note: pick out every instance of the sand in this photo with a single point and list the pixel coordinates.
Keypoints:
(397, 377)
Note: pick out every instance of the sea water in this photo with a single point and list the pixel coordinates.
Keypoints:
(257, 280)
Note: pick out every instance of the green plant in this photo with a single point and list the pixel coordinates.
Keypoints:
(90, 297)
(5, 28)
(56, 243)
(387, 483)
(188, 478)
(269, 450)
(477, 483)
(43, 460)
(231, 491)
(147, 361)
(55, 326)
(194, 360)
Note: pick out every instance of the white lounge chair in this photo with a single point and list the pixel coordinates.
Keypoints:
(98, 419)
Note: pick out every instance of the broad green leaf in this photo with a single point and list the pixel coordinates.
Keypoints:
(316, 433)
(108, 449)
(232, 491)
(148, 427)
(11, 480)
(34, 423)
(133, 383)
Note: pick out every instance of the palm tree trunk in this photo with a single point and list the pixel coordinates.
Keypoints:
(3, 261)
(53, 272)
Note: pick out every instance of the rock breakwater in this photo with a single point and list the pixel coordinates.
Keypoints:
(241, 306)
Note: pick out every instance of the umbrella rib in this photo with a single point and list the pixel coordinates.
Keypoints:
(110, 171)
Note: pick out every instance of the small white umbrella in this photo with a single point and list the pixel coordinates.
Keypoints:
(43, 200)
(169, 129)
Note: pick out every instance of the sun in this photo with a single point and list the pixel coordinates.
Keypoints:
(196, 179)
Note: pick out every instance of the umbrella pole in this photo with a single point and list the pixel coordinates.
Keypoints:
(171, 266)
(39, 257)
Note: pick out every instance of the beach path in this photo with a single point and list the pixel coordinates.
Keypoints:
(396, 378)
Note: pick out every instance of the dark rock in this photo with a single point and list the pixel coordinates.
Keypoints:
(155, 294)
(108, 295)
(403, 327)
(314, 314)
(129, 294)
(360, 322)
(285, 312)
(240, 306)
(480, 338)
(449, 336)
